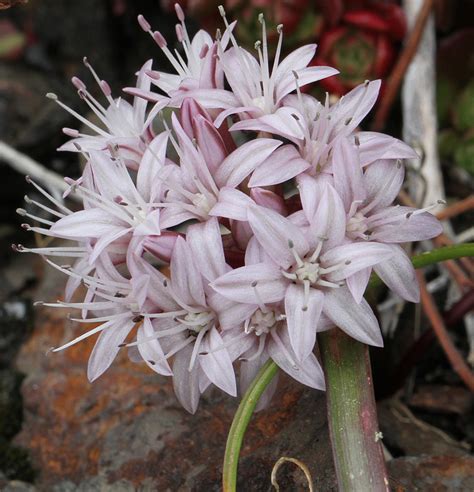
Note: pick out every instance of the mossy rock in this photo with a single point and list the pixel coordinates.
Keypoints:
(448, 142)
(464, 109)
(11, 404)
(15, 462)
(464, 155)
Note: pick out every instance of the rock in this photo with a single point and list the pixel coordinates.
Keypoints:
(405, 434)
(433, 473)
(442, 399)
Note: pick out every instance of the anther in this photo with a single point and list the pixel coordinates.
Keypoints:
(153, 74)
(71, 132)
(159, 39)
(165, 283)
(221, 10)
(260, 18)
(254, 283)
(105, 88)
(121, 345)
(21, 211)
(179, 12)
(144, 24)
(152, 362)
(280, 28)
(52, 95)
(347, 122)
(137, 319)
(356, 140)
(78, 84)
(179, 32)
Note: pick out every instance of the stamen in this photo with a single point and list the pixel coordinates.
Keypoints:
(297, 257)
(258, 298)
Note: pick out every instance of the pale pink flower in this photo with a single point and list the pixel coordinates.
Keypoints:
(187, 326)
(307, 269)
(315, 128)
(195, 71)
(123, 126)
(205, 183)
(256, 87)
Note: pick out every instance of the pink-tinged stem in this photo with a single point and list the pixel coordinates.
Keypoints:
(352, 414)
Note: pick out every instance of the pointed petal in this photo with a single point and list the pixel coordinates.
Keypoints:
(237, 284)
(302, 316)
(383, 180)
(329, 220)
(92, 222)
(240, 163)
(307, 372)
(217, 364)
(375, 146)
(206, 246)
(285, 163)
(186, 382)
(357, 320)
(185, 276)
(354, 257)
(232, 204)
(107, 347)
(151, 350)
(348, 180)
(357, 283)
(306, 76)
(276, 233)
(399, 275)
(151, 164)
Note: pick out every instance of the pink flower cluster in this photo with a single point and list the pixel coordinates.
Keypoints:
(249, 222)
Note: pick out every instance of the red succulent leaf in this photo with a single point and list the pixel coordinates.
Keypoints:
(364, 19)
(384, 56)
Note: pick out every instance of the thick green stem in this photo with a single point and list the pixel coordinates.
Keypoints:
(352, 414)
(240, 423)
(347, 387)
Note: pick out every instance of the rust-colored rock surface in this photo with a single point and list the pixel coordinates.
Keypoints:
(127, 432)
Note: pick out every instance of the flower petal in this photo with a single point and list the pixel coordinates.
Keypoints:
(185, 276)
(186, 382)
(307, 372)
(232, 204)
(399, 275)
(285, 163)
(276, 233)
(217, 364)
(302, 316)
(151, 350)
(357, 320)
(107, 346)
(206, 246)
(266, 278)
(240, 163)
(354, 257)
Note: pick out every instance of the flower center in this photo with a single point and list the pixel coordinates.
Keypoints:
(203, 203)
(197, 322)
(357, 226)
(262, 322)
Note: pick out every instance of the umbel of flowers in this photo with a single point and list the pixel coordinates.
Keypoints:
(252, 222)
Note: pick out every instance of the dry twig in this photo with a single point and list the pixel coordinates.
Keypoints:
(457, 362)
(398, 72)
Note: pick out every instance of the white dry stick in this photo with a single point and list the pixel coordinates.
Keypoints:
(27, 166)
(420, 130)
(419, 112)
